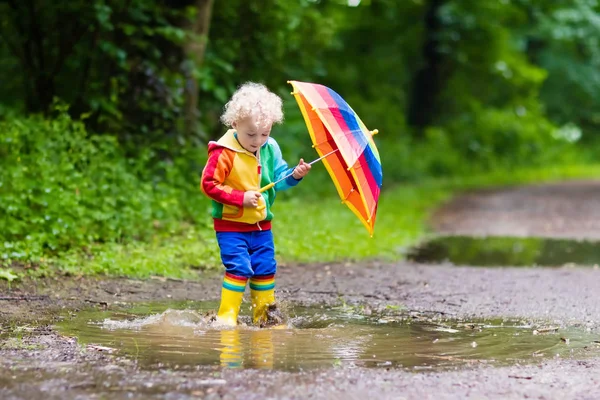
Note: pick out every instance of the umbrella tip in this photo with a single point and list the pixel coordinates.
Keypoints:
(374, 132)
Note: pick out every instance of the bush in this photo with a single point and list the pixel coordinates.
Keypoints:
(62, 188)
(481, 141)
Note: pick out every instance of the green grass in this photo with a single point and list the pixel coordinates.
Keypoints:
(306, 230)
(181, 255)
(328, 231)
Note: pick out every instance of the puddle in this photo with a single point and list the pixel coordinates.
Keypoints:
(507, 251)
(176, 335)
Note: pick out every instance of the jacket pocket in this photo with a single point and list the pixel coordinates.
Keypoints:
(245, 214)
(232, 212)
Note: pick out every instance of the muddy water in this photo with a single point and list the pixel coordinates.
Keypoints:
(507, 251)
(178, 335)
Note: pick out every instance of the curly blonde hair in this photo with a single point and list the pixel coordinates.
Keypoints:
(256, 101)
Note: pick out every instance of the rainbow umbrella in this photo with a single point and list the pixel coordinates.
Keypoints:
(346, 147)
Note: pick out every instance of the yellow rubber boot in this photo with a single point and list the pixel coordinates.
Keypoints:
(261, 299)
(262, 292)
(231, 299)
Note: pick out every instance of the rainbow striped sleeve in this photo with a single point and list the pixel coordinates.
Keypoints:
(218, 167)
(282, 169)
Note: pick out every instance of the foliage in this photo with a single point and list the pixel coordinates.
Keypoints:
(563, 39)
(269, 41)
(95, 206)
(487, 112)
(118, 62)
(372, 63)
(8, 274)
(125, 65)
(62, 188)
(485, 64)
(108, 183)
(497, 139)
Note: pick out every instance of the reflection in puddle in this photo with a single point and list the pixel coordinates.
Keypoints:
(317, 338)
(506, 251)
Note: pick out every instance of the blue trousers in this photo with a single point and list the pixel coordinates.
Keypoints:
(248, 254)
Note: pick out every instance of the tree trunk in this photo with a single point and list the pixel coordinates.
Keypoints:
(194, 50)
(429, 80)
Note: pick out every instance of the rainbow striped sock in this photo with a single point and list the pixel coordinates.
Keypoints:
(264, 282)
(234, 283)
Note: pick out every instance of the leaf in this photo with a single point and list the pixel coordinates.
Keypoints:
(8, 275)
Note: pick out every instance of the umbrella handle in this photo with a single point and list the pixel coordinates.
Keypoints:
(270, 185)
(267, 187)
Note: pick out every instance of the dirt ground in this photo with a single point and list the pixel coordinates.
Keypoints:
(47, 366)
(563, 210)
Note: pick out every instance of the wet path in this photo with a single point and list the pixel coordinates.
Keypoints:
(562, 296)
(563, 210)
(48, 366)
(567, 295)
(506, 251)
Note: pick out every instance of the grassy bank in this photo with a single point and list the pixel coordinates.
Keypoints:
(328, 231)
(306, 231)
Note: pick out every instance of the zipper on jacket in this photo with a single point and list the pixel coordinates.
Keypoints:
(259, 170)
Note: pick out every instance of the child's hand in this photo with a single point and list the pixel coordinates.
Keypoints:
(251, 198)
(301, 170)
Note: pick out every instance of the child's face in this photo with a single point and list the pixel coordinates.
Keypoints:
(251, 136)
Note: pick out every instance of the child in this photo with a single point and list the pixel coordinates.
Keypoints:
(242, 161)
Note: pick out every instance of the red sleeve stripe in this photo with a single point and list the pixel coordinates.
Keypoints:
(218, 167)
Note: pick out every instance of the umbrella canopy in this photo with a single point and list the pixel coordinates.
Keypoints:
(354, 165)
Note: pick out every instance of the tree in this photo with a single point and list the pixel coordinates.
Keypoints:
(562, 37)
(124, 64)
(42, 37)
(430, 79)
(195, 48)
(269, 41)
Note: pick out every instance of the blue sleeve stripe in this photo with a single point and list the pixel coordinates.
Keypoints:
(281, 169)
